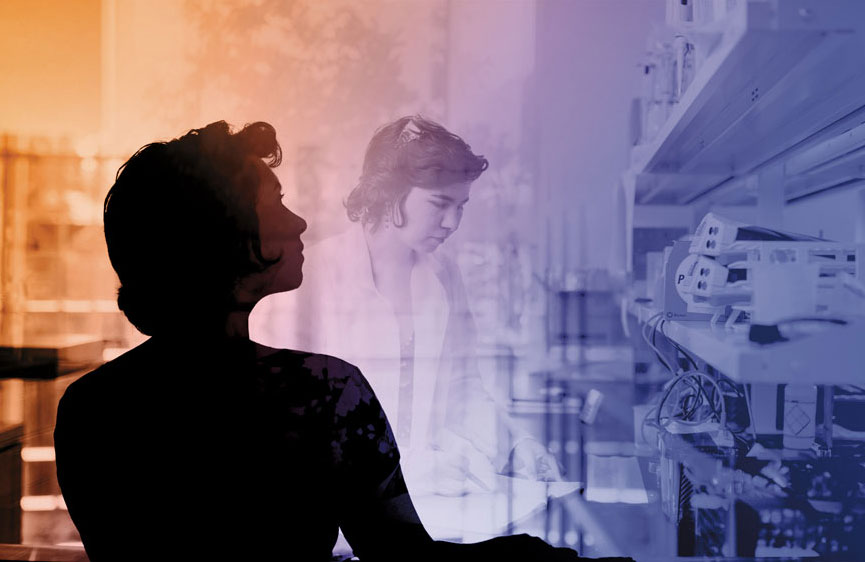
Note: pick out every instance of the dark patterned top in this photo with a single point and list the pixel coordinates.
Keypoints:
(226, 455)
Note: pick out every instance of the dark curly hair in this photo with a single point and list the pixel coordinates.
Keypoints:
(181, 226)
(409, 152)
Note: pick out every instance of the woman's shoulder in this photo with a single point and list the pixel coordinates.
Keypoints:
(332, 370)
(110, 390)
(343, 383)
(116, 372)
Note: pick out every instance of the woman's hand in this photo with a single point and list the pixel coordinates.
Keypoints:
(531, 459)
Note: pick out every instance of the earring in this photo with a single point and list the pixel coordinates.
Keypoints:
(386, 215)
(398, 220)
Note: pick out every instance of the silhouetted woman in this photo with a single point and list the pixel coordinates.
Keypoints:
(199, 444)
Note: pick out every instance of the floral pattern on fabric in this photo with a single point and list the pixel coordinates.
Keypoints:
(309, 386)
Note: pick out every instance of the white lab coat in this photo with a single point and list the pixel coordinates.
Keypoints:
(338, 311)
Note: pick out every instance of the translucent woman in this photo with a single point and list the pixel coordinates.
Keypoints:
(388, 297)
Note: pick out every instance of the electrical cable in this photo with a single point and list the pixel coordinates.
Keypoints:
(750, 412)
(699, 378)
(654, 348)
(687, 389)
(646, 422)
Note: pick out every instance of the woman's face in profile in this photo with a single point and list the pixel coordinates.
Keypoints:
(279, 230)
(431, 215)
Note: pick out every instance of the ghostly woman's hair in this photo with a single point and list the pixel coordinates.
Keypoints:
(409, 152)
(181, 226)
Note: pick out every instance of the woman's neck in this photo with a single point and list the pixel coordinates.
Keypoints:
(232, 326)
(391, 260)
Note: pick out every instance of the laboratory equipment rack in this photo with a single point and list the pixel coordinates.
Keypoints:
(749, 501)
(832, 356)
